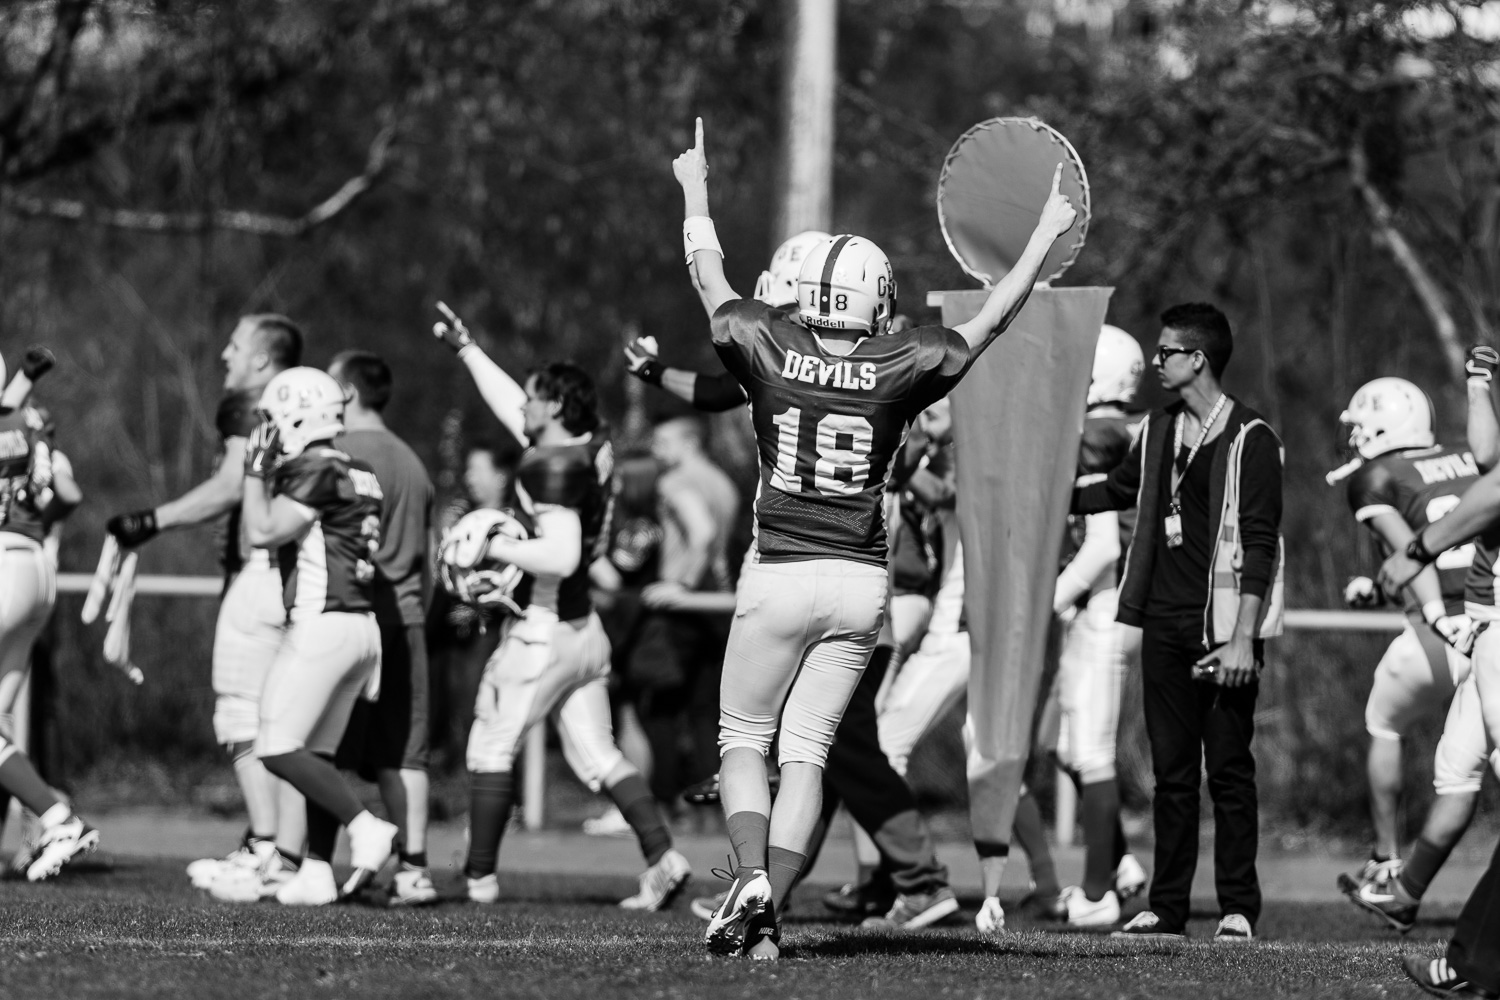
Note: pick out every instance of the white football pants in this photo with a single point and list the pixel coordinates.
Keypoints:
(247, 638)
(323, 664)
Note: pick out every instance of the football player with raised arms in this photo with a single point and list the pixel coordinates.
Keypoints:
(37, 489)
(1401, 482)
(1390, 889)
(556, 658)
(321, 510)
(831, 395)
(251, 618)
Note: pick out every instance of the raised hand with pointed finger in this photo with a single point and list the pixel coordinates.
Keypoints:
(451, 330)
(1058, 214)
(691, 168)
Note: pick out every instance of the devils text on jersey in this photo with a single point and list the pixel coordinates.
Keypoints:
(827, 426)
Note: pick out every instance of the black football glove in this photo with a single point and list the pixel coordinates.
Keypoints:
(641, 360)
(451, 330)
(263, 449)
(37, 362)
(134, 529)
(1483, 360)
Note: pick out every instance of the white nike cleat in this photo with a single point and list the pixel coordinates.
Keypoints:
(660, 883)
(412, 886)
(748, 901)
(60, 844)
(1084, 912)
(485, 890)
(372, 841)
(247, 857)
(990, 919)
(251, 885)
(1130, 878)
(312, 885)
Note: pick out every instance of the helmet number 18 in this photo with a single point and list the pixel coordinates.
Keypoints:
(838, 453)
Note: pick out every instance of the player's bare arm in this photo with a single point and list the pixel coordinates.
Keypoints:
(1483, 426)
(1099, 551)
(271, 522)
(703, 392)
(503, 394)
(214, 497)
(556, 550)
(701, 245)
(1058, 215)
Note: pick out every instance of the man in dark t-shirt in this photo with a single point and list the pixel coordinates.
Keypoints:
(388, 739)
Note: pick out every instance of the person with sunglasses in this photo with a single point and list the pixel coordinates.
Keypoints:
(1203, 580)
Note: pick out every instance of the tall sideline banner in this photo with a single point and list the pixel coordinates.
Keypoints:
(1017, 423)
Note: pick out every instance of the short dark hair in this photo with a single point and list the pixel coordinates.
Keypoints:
(569, 385)
(502, 456)
(368, 373)
(280, 338)
(1203, 328)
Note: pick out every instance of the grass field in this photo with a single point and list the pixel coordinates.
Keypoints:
(139, 930)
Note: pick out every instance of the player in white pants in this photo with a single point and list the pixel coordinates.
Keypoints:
(251, 617)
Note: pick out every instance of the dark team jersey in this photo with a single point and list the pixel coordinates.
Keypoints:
(1480, 587)
(827, 426)
(1106, 441)
(332, 568)
(576, 476)
(237, 416)
(1419, 485)
(23, 453)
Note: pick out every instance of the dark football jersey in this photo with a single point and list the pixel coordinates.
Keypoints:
(1480, 587)
(237, 417)
(576, 476)
(21, 432)
(1420, 485)
(1106, 441)
(332, 568)
(827, 426)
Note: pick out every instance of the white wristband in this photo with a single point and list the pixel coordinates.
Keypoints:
(1433, 610)
(698, 234)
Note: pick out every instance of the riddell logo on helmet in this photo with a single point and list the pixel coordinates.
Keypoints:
(839, 374)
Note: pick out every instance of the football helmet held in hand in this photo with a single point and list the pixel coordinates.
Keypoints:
(469, 573)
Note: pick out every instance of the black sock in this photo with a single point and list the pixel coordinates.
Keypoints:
(1099, 808)
(633, 797)
(417, 859)
(1031, 834)
(491, 794)
(1418, 872)
(322, 832)
(748, 834)
(318, 780)
(782, 868)
(20, 779)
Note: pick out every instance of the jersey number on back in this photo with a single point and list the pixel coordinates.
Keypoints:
(841, 454)
(1460, 556)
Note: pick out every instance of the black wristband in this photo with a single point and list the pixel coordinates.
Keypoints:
(650, 372)
(1417, 549)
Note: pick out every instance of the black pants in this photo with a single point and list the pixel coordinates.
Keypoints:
(1191, 724)
(859, 774)
(1475, 948)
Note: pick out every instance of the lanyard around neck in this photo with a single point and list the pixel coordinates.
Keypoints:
(1208, 425)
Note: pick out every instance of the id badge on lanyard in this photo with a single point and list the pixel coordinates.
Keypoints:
(1172, 525)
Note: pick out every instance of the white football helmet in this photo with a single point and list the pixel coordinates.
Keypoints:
(846, 284)
(1118, 364)
(306, 405)
(466, 569)
(1387, 414)
(778, 286)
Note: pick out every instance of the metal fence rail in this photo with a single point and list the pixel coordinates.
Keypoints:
(534, 760)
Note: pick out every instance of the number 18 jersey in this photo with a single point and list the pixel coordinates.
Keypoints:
(827, 426)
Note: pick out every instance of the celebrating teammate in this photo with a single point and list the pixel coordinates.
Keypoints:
(321, 510)
(830, 398)
(251, 617)
(557, 657)
(1403, 482)
(36, 490)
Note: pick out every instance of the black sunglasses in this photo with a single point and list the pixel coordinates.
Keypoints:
(1163, 353)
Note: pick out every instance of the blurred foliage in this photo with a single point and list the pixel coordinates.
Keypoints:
(529, 186)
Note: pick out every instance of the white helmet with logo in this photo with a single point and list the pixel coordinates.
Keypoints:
(467, 570)
(306, 405)
(1118, 364)
(846, 284)
(778, 285)
(1387, 414)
